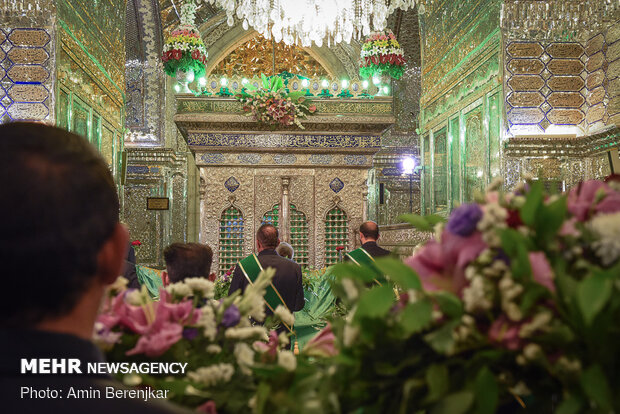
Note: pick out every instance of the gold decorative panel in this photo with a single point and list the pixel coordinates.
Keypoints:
(256, 56)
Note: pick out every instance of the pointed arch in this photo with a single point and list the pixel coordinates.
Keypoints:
(298, 229)
(231, 238)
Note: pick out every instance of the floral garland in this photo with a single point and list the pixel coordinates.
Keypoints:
(272, 105)
(184, 48)
(381, 53)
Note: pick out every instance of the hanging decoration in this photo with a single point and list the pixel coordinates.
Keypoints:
(184, 54)
(381, 54)
(273, 105)
(306, 21)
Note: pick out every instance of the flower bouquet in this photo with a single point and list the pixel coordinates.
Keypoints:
(214, 337)
(381, 53)
(272, 105)
(222, 284)
(184, 49)
(514, 304)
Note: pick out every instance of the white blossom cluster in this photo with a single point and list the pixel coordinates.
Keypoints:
(493, 218)
(607, 228)
(213, 374)
(201, 286)
(284, 315)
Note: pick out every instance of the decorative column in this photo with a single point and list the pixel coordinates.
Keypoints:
(202, 190)
(283, 225)
(364, 202)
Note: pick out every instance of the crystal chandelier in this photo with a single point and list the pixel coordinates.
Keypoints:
(306, 21)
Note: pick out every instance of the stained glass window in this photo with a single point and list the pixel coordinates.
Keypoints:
(298, 229)
(336, 234)
(231, 238)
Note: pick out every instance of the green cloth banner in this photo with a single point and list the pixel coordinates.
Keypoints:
(361, 257)
(150, 278)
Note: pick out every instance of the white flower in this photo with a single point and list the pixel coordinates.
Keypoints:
(245, 357)
(119, 284)
(252, 402)
(350, 289)
(532, 351)
(539, 321)
(201, 285)
(214, 349)
(179, 289)
(283, 339)
(208, 322)
(284, 315)
(476, 296)
(258, 332)
(607, 228)
(349, 334)
(437, 230)
(134, 297)
(287, 360)
(251, 302)
(213, 374)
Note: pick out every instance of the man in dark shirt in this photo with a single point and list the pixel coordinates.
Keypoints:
(62, 245)
(287, 279)
(369, 234)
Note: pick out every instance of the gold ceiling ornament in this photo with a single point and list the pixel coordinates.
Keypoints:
(256, 56)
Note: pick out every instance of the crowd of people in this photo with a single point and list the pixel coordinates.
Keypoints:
(64, 244)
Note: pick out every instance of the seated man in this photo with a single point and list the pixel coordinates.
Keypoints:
(185, 260)
(285, 250)
(287, 280)
(62, 245)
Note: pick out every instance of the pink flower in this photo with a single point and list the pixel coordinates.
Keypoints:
(269, 349)
(505, 333)
(541, 270)
(441, 266)
(157, 342)
(609, 204)
(322, 345)
(207, 408)
(568, 228)
(582, 197)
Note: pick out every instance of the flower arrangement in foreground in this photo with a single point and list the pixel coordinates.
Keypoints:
(184, 49)
(381, 53)
(273, 106)
(515, 303)
(214, 337)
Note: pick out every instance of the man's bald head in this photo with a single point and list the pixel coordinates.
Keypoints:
(268, 237)
(369, 230)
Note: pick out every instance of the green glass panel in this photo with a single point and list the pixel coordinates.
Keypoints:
(95, 137)
(335, 234)
(63, 109)
(440, 171)
(455, 162)
(231, 239)
(494, 136)
(80, 118)
(427, 174)
(475, 154)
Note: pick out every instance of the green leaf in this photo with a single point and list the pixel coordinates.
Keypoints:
(375, 303)
(487, 392)
(355, 272)
(532, 203)
(449, 304)
(416, 316)
(399, 273)
(570, 405)
(438, 380)
(593, 293)
(442, 340)
(422, 223)
(550, 219)
(533, 292)
(595, 385)
(265, 81)
(458, 403)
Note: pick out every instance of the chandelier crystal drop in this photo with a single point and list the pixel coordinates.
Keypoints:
(305, 22)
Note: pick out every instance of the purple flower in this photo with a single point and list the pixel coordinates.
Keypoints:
(464, 219)
(231, 316)
(190, 333)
